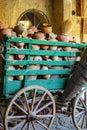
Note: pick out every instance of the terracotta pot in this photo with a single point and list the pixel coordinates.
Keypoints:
(44, 47)
(34, 29)
(20, 44)
(14, 34)
(52, 47)
(5, 31)
(67, 48)
(19, 29)
(20, 57)
(25, 23)
(30, 32)
(64, 38)
(39, 36)
(45, 76)
(20, 77)
(46, 28)
(35, 47)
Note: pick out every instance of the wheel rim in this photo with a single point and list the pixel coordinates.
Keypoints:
(80, 111)
(31, 108)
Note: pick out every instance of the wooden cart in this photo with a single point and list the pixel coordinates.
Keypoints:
(31, 102)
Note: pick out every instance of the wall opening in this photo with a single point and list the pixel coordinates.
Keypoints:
(36, 17)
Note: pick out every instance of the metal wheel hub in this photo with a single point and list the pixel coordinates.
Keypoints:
(31, 116)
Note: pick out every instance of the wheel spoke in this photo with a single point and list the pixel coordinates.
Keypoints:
(79, 113)
(33, 125)
(33, 100)
(27, 104)
(24, 126)
(82, 101)
(28, 126)
(22, 103)
(18, 125)
(79, 107)
(42, 124)
(19, 107)
(80, 121)
(44, 116)
(16, 117)
(42, 108)
(83, 123)
(40, 101)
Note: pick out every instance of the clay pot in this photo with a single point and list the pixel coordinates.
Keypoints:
(46, 28)
(39, 58)
(39, 36)
(44, 47)
(35, 47)
(67, 48)
(11, 57)
(64, 38)
(13, 34)
(11, 68)
(20, 77)
(45, 76)
(45, 57)
(25, 23)
(30, 32)
(52, 47)
(20, 57)
(32, 77)
(19, 29)
(34, 29)
(5, 31)
(20, 44)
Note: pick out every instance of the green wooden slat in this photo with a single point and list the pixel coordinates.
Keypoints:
(14, 86)
(37, 72)
(51, 63)
(42, 52)
(5, 80)
(40, 42)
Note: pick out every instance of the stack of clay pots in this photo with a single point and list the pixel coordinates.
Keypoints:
(25, 29)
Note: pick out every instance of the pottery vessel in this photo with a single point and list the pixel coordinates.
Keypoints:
(46, 28)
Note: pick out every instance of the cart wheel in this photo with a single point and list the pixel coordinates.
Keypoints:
(32, 108)
(79, 112)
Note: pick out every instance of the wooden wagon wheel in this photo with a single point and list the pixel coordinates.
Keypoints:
(79, 112)
(27, 110)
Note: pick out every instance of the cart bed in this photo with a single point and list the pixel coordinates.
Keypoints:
(66, 67)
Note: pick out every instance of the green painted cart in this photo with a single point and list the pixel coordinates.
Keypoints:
(31, 102)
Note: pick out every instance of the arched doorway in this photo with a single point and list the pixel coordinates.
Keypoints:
(36, 17)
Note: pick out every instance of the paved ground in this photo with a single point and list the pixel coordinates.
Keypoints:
(63, 122)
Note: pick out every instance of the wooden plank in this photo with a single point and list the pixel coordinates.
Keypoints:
(42, 52)
(14, 86)
(37, 72)
(51, 63)
(41, 42)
